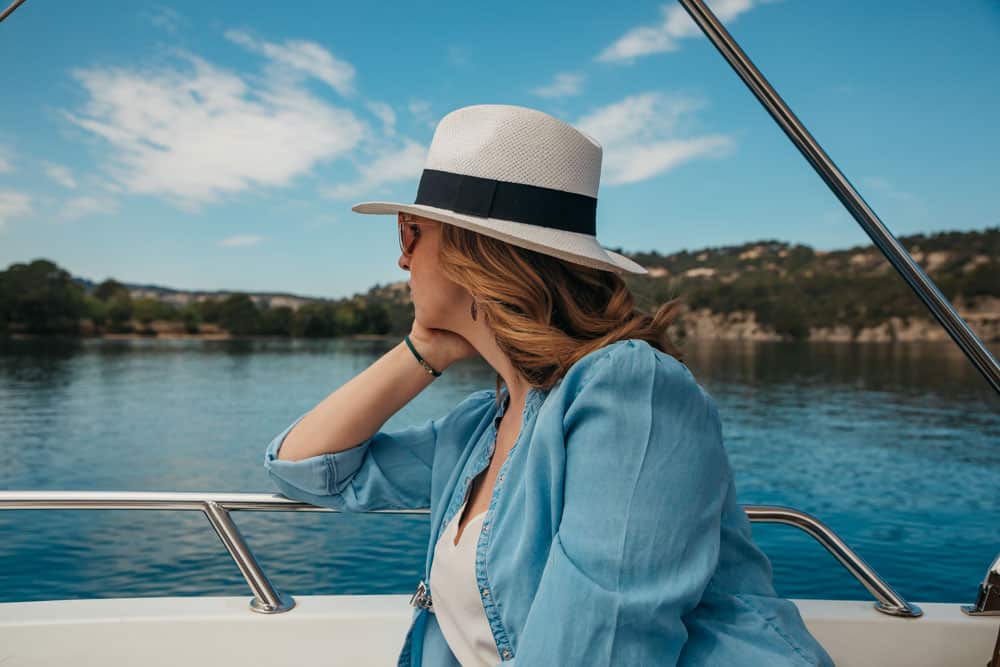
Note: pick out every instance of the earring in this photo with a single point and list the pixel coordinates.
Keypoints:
(472, 310)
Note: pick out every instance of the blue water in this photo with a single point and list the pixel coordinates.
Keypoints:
(895, 447)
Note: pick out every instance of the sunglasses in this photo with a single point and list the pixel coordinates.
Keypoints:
(409, 232)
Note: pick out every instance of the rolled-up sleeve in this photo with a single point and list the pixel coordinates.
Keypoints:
(646, 477)
(390, 470)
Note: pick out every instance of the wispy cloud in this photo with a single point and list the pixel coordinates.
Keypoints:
(86, 206)
(675, 25)
(885, 187)
(421, 110)
(13, 205)
(239, 241)
(640, 136)
(303, 57)
(6, 160)
(564, 85)
(908, 204)
(193, 134)
(60, 174)
(400, 164)
(164, 18)
(384, 113)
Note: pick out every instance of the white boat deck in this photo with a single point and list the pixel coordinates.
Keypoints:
(362, 630)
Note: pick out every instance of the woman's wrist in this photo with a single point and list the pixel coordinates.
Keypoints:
(432, 357)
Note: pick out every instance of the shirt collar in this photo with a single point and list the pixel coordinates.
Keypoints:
(532, 401)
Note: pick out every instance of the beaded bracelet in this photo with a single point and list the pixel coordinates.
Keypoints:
(427, 366)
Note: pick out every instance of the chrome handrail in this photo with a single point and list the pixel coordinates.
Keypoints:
(888, 600)
(268, 600)
(897, 255)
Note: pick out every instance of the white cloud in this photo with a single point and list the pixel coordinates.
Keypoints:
(906, 204)
(164, 18)
(641, 117)
(640, 137)
(401, 164)
(301, 56)
(890, 190)
(238, 241)
(643, 161)
(384, 113)
(60, 174)
(421, 110)
(564, 85)
(676, 24)
(13, 205)
(6, 160)
(193, 134)
(82, 207)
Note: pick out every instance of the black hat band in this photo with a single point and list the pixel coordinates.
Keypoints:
(490, 198)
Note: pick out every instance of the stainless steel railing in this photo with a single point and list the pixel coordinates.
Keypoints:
(269, 600)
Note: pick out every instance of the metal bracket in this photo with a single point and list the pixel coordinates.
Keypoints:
(988, 600)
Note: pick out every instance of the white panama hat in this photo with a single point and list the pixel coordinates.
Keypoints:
(518, 175)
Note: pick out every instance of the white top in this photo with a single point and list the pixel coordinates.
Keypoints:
(455, 595)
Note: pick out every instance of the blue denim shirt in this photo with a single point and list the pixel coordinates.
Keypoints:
(612, 537)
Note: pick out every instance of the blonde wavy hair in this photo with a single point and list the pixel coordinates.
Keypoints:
(546, 312)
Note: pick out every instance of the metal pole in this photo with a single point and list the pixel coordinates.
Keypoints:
(10, 10)
(266, 598)
(897, 255)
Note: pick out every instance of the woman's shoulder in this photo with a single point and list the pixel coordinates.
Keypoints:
(625, 363)
(649, 405)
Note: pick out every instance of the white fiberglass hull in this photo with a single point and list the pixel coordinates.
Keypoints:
(361, 630)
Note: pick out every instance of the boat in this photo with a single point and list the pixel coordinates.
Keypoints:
(274, 627)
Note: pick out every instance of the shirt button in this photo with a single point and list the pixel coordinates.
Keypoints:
(500, 478)
(486, 592)
(506, 653)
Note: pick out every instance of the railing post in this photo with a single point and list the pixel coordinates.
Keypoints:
(267, 599)
(888, 601)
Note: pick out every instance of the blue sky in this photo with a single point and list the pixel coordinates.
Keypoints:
(220, 145)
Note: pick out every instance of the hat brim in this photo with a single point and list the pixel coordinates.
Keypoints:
(570, 246)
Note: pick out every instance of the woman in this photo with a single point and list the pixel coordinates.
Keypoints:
(584, 511)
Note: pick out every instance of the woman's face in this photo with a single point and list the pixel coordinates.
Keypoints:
(438, 302)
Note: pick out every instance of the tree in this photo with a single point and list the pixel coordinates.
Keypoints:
(120, 312)
(276, 321)
(313, 320)
(238, 315)
(209, 309)
(375, 319)
(191, 317)
(145, 310)
(42, 297)
(96, 310)
(109, 289)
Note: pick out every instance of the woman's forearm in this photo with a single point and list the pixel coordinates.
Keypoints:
(357, 409)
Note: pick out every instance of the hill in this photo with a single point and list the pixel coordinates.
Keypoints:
(764, 290)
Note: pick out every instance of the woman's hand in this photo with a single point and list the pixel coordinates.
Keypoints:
(440, 347)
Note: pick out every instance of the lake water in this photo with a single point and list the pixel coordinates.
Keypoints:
(895, 447)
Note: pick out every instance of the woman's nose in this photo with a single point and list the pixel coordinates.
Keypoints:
(404, 262)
